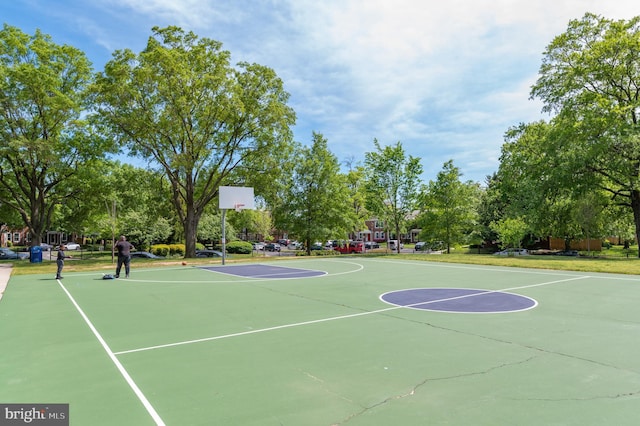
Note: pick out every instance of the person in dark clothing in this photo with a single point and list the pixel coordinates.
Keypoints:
(60, 261)
(124, 248)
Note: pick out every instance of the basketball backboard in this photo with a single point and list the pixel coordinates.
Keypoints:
(236, 198)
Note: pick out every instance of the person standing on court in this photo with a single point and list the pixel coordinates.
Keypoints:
(124, 248)
(60, 261)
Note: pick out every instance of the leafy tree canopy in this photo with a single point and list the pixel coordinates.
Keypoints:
(46, 145)
(392, 184)
(449, 207)
(316, 202)
(180, 104)
(590, 78)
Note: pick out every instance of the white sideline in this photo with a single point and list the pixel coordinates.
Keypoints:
(119, 366)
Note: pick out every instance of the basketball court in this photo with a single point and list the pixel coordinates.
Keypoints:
(313, 341)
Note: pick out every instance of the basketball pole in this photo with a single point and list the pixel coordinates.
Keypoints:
(224, 235)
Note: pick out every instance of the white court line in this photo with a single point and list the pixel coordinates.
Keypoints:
(272, 275)
(119, 366)
(520, 270)
(476, 267)
(359, 314)
(359, 268)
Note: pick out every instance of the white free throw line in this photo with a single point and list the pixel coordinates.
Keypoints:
(359, 314)
(117, 363)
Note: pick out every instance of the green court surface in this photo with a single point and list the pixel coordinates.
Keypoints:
(247, 346)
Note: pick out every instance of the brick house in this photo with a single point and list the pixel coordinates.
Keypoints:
(22, 237)
(14, 236)
(376, 231)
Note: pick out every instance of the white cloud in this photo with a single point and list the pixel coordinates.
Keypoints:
(446, 79)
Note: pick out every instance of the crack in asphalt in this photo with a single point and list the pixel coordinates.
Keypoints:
(417, 386)
(489, 370)
(509, 342)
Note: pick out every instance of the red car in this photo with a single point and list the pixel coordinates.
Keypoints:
(350, 247)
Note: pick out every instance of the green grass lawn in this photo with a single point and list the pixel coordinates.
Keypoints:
(614, 260)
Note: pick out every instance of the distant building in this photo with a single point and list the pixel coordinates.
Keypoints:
(22, 237)
(14, 237)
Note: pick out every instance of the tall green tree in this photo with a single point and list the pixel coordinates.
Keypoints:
(490, 209)
(392, 185)
(47, 149)
(139, 198)
(511, 231)
(210, 228)
(357, 194)
(182, 106)
(532, 182)
(449, 207)
(590, 78)
(316, 204)
(619, 224)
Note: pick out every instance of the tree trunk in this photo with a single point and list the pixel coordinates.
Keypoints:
(190, 234)
(36, 222)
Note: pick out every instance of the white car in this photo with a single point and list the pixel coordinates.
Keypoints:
(72, 246)
(513, 252)
(295, 245)
(393, 245)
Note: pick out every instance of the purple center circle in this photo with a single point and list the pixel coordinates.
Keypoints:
(463, 300)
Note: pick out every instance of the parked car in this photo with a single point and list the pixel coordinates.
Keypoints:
(6, 253)
(146, 255)
(272, 247)
(258, 246)
(72, 246)
(317, 246)
(512, 252)
(295, 245)
(371, 245)
(208, 253)
(393, 245)
(45, 246)
(421, 246)
(350, 247)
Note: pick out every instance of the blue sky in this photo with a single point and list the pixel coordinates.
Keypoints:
(446, 79)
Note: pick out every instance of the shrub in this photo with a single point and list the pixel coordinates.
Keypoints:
(239, 247)
(176, 249)
(323, 252)
(160, 250)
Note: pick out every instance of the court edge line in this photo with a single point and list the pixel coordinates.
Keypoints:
(251, 280)
(359, 314)
(152, 412)
(519, 269)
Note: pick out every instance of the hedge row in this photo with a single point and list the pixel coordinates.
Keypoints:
(237, 247)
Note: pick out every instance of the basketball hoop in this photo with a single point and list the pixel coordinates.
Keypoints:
(238, 207)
